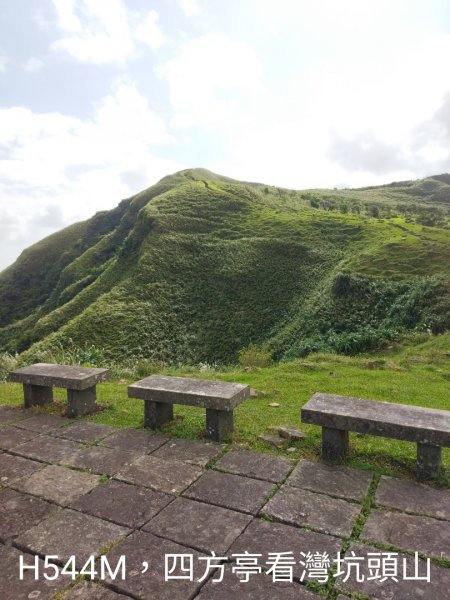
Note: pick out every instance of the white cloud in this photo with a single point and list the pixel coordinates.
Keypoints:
(190, 8)
(22, 224)
(33, 64)
(3, 62)
(104, 31)
(209, 79)
(67, 19)
(81, 166)
(148, 31)
(43, 145)
(346, 115)
(50, 217)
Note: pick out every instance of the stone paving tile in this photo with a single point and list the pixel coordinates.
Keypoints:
(409, 532)
(256, 465)
(413, 497)
(42, 423)
(87, 590)
(259, 587)
(85, 432)
(308, 509)
(437, 588)
(134, 439)
(231, 491)
(19, 512)
(169, 476)
(101, 460)
(13, 436)
(140, 547)
(57, 484)
(13, 468)
(199, 525)
(197, 453)
(125, 504)
(70, 533)
(48, 449)
(334, 480)
(11, 413)
(11, 588)
(264, 537)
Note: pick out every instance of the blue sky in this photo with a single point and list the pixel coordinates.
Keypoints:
(101, 98)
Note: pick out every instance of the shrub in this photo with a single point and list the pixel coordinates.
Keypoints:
(145, 367)
(8, 362)
(254, 356)
(374, 211)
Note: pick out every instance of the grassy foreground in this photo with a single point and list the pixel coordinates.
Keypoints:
(415, 375)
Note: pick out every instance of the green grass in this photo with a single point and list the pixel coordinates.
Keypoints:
(415, 375)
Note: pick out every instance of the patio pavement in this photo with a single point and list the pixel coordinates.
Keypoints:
(75, 488)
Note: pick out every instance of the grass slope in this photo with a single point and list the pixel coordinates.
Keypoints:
(199, 266)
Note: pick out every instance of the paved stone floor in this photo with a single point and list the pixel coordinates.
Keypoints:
(83, 489)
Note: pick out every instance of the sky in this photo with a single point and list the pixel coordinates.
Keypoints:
(100, 99)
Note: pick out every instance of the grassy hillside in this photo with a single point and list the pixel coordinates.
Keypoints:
(199, 266)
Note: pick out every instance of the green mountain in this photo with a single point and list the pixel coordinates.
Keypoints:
(199, 266)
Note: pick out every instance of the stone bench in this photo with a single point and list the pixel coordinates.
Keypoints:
(39, 379)
(428, 428)
(217, 397)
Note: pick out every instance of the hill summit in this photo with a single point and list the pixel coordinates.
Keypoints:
(199, 266)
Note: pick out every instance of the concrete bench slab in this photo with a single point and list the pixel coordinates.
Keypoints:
(231, 491)
(264, 536)
(303, 508)
(9, 414)
(259, 585)
(413, 497)
(142, 547)
(48, 449)
(190, 451)
(85, 432)
(57, 484)
(168, 476)
(12, 588)
(217, 397)
(121, 503)
(336, 480)
(19, 512)
(132, 439)
(255, 465)
(409, 532)
(398, 588)
(70, 533)
(39, 379)
(13, 436)
(202, 526)
(428, 428)
(15, 468)
(42, 423)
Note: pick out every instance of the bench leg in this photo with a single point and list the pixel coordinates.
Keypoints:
(334, 444)
(428, 461)
(36, 395)
(219, 424)
(81, 402)
(157, 413)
